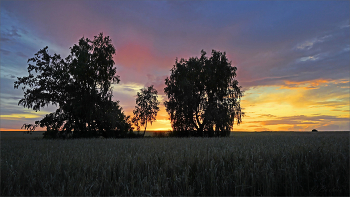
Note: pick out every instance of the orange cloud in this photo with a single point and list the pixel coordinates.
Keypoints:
(295, 106)
(310, 84)
(299, 122)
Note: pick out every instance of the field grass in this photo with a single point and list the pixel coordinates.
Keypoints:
(20, 135)
(271, 163)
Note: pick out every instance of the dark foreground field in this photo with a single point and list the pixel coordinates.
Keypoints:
(243, 164)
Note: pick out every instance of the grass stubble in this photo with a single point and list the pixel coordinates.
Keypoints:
(244, 164)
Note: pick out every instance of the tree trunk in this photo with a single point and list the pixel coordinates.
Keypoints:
(200, 130)
(145, 130)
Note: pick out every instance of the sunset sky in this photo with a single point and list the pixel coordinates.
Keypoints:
(292, 57)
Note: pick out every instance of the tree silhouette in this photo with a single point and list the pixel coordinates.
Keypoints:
(80, 85)
(147, 107)
(204, 96)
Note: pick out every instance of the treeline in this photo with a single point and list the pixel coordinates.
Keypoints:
(203, 94)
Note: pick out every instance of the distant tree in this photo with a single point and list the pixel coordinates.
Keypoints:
(204, 96)
(147, 107)
(80, 85)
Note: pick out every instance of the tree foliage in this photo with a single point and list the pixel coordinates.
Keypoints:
(147, 107)
(80, 85)
(204, 96)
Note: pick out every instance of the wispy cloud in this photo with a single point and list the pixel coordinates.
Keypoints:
(308, 44)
